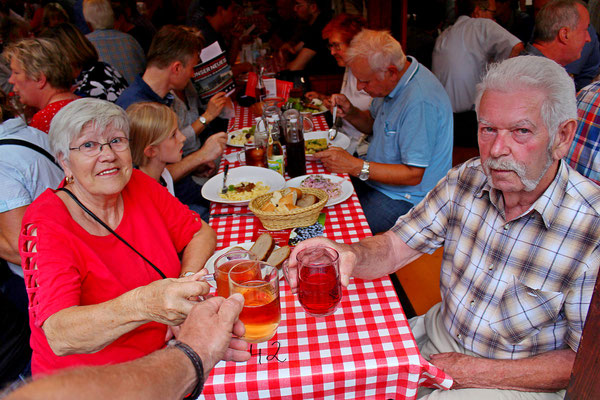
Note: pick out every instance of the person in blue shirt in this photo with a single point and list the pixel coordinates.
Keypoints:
(410, 119)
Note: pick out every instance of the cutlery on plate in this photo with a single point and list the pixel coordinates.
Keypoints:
(232, 215)
(224, 188)
(334, 130)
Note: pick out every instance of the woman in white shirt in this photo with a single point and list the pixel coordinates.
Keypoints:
(155, 140)
(339, 32)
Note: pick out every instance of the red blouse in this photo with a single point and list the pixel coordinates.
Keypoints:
(41, 119)
(72, 267)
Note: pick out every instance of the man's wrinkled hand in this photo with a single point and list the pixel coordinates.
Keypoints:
(338, 160)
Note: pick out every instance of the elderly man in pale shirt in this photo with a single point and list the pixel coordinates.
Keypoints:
(521, 236)
(460, 56)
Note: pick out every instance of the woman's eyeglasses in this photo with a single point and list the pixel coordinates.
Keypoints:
(334, 46)
(91, 148)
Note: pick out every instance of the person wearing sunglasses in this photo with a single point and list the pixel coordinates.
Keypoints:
(94, 251)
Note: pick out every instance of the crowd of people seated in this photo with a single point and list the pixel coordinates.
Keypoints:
(105, 144)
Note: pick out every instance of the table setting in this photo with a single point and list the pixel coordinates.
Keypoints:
(354, 344)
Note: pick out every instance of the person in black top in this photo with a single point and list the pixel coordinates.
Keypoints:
(311, 54)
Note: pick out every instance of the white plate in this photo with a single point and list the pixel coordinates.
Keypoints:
(212, 188)
(210, 263)
(341, 140)
(347, 188)
(235, 133)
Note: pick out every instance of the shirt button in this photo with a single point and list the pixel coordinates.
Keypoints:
(491, 267)
(459, 336)
(472, 303)
(506, 227)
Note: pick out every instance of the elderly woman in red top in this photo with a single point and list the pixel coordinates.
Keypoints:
(94, 251)
(41, 78)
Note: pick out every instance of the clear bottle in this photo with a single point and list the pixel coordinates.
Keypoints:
(296, 157)
(273, 116)
(275, 157)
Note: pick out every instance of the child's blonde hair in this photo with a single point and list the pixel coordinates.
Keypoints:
(151, 123)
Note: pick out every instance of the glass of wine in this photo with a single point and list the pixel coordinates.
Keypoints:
(223, 265)
(319, 287)
(262, 311)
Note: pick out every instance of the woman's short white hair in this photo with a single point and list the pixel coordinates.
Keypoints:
(537, 73)
(69, 122)
(379, 48)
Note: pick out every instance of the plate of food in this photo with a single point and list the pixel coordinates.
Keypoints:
(319, 141)
(238, 138)
(338, 188)
(314, 106)
(243, 184)
(264, 248)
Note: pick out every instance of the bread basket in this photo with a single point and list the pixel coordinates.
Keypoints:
(304, 216)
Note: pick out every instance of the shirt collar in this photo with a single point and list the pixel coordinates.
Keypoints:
(167, 100)
(408, 75)
(547, 205)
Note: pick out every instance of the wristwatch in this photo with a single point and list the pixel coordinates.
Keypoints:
(189, 273)
(364, 172)
(202, 120)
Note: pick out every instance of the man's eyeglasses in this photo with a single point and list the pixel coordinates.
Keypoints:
(91, 149)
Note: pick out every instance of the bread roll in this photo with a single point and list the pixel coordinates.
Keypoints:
(307, 200)
(263, 246)
(278, 256)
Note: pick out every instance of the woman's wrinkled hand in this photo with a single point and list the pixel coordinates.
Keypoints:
(169, 301)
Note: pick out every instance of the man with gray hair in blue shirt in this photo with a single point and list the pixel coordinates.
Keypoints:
(410, 120)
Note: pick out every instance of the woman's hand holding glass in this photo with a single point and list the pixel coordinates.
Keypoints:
(169, 301)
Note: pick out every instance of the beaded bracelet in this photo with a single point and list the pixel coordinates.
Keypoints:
(195, 359)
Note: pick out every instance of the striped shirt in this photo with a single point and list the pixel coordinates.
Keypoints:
(511, 289)
(583, 154)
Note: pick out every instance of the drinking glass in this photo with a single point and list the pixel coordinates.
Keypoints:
(307, 121)
(224, 263)
(262, 312)
(319, 286)
(256, 154)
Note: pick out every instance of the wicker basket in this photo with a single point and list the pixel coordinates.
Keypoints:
(305, 216)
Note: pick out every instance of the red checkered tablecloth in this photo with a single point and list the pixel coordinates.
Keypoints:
(364, 350)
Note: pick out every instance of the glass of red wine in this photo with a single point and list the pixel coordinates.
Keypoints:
(319, 287)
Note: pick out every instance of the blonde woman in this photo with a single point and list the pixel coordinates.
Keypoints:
(40, 77)
(155, 140)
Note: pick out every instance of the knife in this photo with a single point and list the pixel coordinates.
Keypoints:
(232, 215)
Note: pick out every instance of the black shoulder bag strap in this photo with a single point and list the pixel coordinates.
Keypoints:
(108, 228)
(32, 146)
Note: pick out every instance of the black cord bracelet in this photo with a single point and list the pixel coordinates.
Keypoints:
(196, 360)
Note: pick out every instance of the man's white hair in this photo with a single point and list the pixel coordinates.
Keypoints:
(99, 14)
(537, 73)
(379, 48)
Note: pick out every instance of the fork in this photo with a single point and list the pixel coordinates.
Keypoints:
(224, 188)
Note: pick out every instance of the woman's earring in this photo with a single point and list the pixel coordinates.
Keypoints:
(70, 179)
